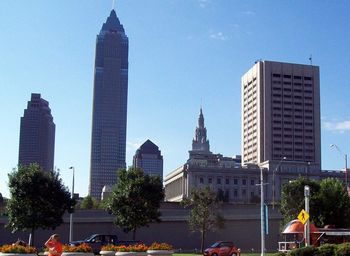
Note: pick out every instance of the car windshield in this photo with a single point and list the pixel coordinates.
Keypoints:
(89, 238)
(215, 245)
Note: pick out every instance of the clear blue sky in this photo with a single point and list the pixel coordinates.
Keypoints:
(182, 53)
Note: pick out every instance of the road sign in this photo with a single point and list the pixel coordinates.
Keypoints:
(303, 216)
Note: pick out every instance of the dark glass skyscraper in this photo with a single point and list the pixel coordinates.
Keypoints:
(149, 158)
(37, 134)
(109, 115)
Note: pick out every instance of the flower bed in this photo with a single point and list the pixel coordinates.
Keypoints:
(160, 249)
(15, 249)
(131, 250)
(79, 250)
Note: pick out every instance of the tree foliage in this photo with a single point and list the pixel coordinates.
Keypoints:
(292, 199)
(38, 199)
(329, 201)
(135, 200)
(334, 207)
(204, 215)
(89, 203)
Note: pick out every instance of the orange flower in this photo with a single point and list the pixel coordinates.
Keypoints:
(160, 246)
(131, 248)
(109, 247)
(79, 248)
(8, 248)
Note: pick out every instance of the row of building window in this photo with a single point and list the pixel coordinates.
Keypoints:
(227, 181)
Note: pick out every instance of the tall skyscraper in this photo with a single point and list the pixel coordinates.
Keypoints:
(149, 158)
(109, 115)
(37, 134)
(281, 113)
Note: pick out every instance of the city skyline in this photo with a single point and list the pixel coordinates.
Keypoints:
(178, 49)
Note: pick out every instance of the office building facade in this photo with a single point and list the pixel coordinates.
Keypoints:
(109, 115)
(149, 158)
(281, 114)
(37, 134)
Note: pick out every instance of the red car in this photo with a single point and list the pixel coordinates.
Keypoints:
(222, 248)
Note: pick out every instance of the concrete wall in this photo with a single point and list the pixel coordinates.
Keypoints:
(242, 226)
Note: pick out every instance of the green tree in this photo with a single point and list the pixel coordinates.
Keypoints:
(292, 199)
(329, 201)
(334, 204)
(135, 200)
(38, 199)
(204, 216)
(89, 203)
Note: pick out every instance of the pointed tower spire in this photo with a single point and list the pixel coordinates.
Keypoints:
(200, 144)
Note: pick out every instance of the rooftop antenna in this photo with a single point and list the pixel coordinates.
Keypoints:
(310, 59)
(258, 60)
(113, 5)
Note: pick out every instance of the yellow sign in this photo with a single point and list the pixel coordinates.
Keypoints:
(303, 216)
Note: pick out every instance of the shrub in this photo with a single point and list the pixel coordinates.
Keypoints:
(343, 249)
(279, 254)
(305, 251)
(326, 250)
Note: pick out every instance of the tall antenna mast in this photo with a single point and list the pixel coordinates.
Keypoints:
(113, 5)
(310, 59)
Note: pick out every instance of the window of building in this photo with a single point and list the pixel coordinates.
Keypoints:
(218, 181)
(235, 181)
(244, 182)
(252, 182)
(244, 192)
(235, 193)
(227, 181)
(210, 180)
(201, 180)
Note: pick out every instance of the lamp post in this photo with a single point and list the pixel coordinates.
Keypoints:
(262, 215)
(273, 181)
(307, 224)
(346, 161)
(71, 215)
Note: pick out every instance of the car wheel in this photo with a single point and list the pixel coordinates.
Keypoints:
(233, 254)
(214, 254)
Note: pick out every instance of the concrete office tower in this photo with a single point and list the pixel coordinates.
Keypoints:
(109, 115)
(37, 134)
(149, 158)
(281, 113)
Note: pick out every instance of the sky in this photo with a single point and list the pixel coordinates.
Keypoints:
(183, 54)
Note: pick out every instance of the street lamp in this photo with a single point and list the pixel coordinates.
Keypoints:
(262, 212)
(71, 215)
(307, 224)
(273, 181)
(346, 161)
